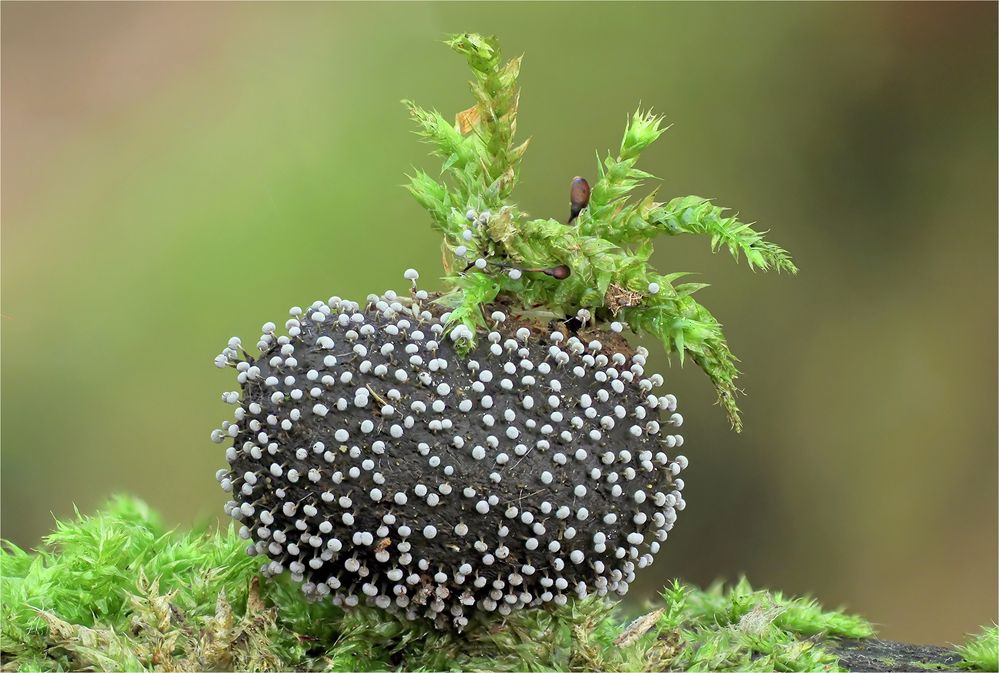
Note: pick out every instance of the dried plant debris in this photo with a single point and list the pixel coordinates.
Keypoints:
(376, 465)
(115, 591)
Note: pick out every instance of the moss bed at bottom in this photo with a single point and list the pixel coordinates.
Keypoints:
(116, 591)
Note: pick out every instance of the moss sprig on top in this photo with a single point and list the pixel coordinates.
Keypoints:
(600, 262)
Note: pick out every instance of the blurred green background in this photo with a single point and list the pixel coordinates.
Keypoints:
(174, 174)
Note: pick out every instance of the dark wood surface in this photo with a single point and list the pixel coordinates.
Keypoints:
(873, 654)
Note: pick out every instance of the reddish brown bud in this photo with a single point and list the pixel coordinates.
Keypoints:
(560, 272)
(579, 197)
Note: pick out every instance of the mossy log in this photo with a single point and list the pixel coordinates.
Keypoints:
(116, 591)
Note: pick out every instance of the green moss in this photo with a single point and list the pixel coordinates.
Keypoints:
(981, 651)
(603, 255)
(115, 591)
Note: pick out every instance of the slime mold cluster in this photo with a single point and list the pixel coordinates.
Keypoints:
(375, 463)
(499, 445)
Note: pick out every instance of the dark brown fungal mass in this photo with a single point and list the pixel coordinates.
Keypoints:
(377, 465)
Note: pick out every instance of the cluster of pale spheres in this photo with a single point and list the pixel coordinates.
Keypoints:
(378, 463)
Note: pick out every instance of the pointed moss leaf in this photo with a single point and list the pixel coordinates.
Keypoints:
(686, 289)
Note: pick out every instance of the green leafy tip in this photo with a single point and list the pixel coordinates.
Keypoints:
(981, 651)
(599, 262)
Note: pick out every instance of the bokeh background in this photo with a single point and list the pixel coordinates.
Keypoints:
(174, 174)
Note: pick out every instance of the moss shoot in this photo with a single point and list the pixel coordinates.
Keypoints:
(981, 651)
(599, 260)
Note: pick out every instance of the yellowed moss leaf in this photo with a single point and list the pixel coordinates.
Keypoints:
(468, 119)
(638, 628)
(501, 227)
